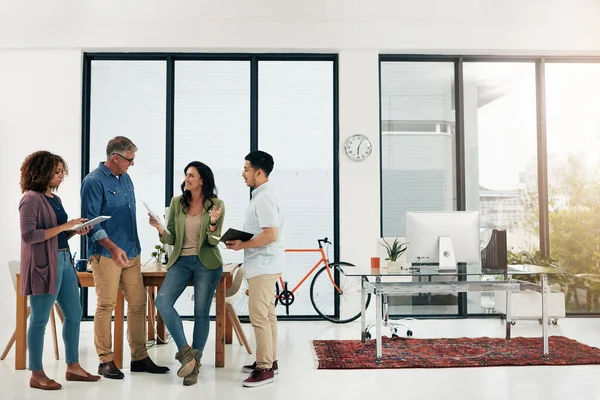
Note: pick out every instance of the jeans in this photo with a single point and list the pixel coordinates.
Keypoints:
(178, 276)
(67, 296)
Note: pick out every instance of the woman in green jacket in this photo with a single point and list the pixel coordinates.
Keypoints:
(194, 227)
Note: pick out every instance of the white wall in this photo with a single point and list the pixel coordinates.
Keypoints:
(359, 181)
(40, 109)
(506, 26)
(40, 70)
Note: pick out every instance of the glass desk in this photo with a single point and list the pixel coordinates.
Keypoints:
(401, 282)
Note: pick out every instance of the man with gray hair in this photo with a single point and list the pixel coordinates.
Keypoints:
(113, 250)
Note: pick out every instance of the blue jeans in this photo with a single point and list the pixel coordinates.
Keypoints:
(67, 296)
(178, 276)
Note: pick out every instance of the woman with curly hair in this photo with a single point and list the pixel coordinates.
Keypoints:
(47, 273)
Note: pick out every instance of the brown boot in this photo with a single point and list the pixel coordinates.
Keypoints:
(192, 378)
(188, 358)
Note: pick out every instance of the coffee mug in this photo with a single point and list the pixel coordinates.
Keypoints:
(81, 265)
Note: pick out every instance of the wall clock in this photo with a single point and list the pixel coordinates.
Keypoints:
(358, 147)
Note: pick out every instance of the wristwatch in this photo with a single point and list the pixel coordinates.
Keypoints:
(211, 223)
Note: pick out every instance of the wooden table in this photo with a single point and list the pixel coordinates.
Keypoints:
(223, 330)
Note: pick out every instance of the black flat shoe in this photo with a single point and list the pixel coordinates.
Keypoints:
(110, 371)
(147, 365)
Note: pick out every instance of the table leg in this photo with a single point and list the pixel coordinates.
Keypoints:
(220, 324)
(363, 317)
(378, 325)
(151, 312)
(21, 328)
(118, 330)
(385, 311)
(228, 324)
(508, 311)
(161, 331)
(545, 314)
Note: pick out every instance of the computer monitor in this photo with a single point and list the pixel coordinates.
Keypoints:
(443, 238)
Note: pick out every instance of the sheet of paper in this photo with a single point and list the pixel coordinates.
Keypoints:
(154, 215)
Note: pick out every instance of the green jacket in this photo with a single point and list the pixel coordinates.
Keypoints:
(208, 251)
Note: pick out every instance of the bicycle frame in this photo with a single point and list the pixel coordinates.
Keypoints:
(323, 259)
(322, 278)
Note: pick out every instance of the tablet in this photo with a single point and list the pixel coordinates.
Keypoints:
(154, 215)
(234, 234)
(94, 221)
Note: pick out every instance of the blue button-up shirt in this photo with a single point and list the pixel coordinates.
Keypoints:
(103, 193)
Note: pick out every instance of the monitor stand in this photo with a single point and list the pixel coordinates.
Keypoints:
(447, 259)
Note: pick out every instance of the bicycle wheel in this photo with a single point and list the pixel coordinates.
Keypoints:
(322, 295)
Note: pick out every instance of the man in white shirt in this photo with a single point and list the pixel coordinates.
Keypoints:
(264, 261)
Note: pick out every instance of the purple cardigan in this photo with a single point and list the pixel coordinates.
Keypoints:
(39, 257)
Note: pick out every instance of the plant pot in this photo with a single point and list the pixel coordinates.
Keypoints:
(393, 266)
(153, 266)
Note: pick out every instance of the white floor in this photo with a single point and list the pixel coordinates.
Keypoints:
(298, 378)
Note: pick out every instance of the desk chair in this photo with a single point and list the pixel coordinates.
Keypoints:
(232, 293)
(14, 268)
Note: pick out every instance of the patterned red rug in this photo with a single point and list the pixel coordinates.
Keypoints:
(450, 353)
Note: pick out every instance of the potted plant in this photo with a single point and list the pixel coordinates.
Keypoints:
(394, 250)
(157, 256)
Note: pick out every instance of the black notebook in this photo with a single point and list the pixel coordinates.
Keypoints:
(234, 234)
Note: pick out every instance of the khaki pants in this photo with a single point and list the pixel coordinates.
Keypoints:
(108, 279)
(261, 307)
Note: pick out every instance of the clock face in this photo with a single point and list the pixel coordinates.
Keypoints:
(358, 147)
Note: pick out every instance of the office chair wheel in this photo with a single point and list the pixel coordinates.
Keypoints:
(550, 321)
(367, 335)
(409, 333)
(513, 322)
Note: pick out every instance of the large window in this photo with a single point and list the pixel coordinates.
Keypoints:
(216, 109)
(501, 156)
(417, 140)
(515, 139)
(417, 157)
(127, 98)
(295, 125)
(573, 125)
(212, 125)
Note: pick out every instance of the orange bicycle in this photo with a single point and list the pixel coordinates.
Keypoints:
(334, 296)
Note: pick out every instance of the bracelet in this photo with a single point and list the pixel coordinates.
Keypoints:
(211, 223)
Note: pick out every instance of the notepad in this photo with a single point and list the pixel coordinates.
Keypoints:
(234, 234)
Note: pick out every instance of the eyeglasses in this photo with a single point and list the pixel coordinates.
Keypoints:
(129, 160)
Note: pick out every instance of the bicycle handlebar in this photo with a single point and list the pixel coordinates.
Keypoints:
(324, 240)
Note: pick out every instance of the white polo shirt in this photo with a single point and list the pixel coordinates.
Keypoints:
(264, 212)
